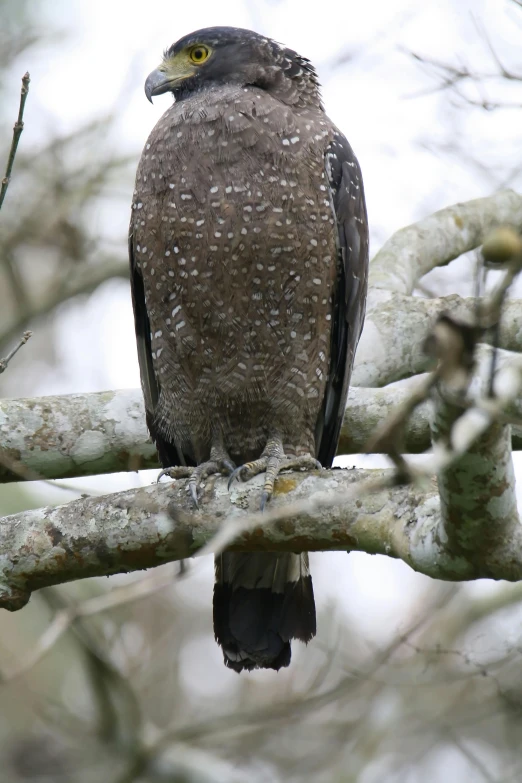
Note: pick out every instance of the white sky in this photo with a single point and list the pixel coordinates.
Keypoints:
(113, 44)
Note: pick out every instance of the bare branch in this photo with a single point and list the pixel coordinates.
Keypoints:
(4, 362)
(17, 132)
(142, 528)
(466, 611)
(504, 72)
(476, 476)
(302, 703)
(475, 762)
(456, 77)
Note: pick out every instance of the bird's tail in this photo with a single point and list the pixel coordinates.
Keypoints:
(261, 602)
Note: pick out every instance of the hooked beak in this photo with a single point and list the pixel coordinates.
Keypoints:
(158, 82)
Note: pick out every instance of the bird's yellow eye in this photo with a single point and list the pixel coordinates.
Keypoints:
(198, 54)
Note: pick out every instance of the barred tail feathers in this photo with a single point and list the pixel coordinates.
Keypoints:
(261, 602)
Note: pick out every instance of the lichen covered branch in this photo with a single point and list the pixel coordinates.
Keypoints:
(321, 511)
(74, 435)
(387, 351)
(104, 432)
(438, 239)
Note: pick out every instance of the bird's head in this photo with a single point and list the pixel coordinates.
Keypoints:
(232, 56)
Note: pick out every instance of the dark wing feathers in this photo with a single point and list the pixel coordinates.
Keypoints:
(347, 193)
(168, 453)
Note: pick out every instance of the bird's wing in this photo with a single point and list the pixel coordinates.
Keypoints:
(169, 453)
(348, 204)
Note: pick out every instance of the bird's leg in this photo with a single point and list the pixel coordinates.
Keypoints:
(219, 462)
(271, 462)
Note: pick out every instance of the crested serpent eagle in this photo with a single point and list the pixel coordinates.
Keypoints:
(249, 263)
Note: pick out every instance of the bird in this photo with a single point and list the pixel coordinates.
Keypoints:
(248, 247)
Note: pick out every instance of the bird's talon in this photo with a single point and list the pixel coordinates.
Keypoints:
(265, 497)
(235, 475)
(193, 493)
(227, 467)
(174, 473)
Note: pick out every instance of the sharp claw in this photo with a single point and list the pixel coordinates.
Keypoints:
(164, 472)
(194, 493)
(236, 474)
(229, 466)
(265, 497)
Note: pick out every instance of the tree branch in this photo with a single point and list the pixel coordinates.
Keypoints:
(65, 617)
(327, 510)
(88, 434)
(386, 351)
(477, 491)
(142, 528)
(440, 238)
(75, 435)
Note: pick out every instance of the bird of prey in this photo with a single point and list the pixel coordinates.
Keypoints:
(249, 259)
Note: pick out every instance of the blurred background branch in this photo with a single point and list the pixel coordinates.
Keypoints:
(17, 132)
(410, 679)
(4, 363)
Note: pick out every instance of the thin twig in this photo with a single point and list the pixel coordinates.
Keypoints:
(491, 309)
(4, 362)
(17, 132)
